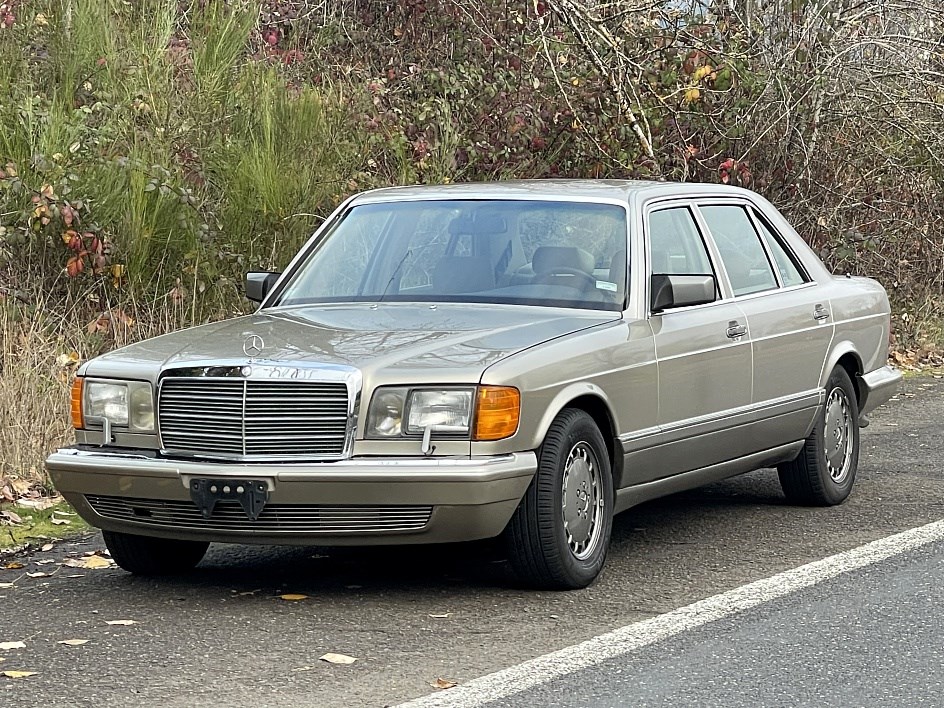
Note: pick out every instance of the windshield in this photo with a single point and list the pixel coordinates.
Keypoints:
(552, 253)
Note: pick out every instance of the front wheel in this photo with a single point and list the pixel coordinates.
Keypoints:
(824, 471)
(147, 555)
(558, 536)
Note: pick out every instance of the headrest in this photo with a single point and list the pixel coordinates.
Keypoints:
(548, 259)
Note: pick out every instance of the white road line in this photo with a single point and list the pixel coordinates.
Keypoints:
(624, 640)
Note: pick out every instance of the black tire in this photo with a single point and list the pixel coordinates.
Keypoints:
(147, 555)
(814, 478)
(537, 540)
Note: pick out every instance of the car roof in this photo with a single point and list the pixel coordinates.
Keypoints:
(590, 189)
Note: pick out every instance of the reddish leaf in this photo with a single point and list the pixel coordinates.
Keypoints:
(74, 266)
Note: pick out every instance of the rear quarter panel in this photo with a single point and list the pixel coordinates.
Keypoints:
(860, 313)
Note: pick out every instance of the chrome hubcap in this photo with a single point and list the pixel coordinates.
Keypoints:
(582, 501)
(838, 435)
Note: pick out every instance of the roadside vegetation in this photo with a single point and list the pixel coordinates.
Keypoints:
(152, 152)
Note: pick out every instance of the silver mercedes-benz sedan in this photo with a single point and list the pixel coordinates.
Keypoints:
(515, 359)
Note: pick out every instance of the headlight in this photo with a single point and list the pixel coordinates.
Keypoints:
(385, 417)
(446, 410)
(398, 412)
(126, 404)
(480, 412)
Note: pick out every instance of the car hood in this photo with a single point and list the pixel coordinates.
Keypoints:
(446, 342)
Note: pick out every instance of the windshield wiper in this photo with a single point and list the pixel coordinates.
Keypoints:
(396, 273)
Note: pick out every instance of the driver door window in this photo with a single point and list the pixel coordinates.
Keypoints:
(675, 246)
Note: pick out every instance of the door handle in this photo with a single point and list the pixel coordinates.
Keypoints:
(736, 330)
(820, 313)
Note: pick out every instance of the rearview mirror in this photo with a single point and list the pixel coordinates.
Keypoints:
(668, 291)
(258, 285)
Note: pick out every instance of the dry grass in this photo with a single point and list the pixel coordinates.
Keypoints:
(34, 393)
(41, 345)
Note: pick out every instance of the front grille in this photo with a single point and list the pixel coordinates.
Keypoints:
(275, 518)
(241, 418)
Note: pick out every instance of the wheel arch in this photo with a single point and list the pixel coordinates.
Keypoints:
(846, 356)
(593, 401)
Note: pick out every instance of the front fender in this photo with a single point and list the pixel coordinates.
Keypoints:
(563, 399)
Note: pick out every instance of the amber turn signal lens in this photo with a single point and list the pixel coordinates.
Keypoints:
(77, 421)
(497, 411)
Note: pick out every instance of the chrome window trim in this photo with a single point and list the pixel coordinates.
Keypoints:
(772, 292)
(350, 376)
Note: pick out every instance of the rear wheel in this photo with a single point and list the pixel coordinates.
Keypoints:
(146, 555)
(824, 471)
(558, 536)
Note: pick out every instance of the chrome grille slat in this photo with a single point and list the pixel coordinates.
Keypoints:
(247, 419)
(276, 518)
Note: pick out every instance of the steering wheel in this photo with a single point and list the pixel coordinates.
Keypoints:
(587, 281)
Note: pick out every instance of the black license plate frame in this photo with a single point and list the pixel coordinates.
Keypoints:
(252, 494)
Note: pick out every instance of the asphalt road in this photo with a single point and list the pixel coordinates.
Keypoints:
(224, 637)
(869, 638)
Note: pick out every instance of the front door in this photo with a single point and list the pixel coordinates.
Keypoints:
(703, 358)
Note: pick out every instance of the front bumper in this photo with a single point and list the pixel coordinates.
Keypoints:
(466, 498)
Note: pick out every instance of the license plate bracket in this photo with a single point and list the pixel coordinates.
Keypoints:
(252, 494)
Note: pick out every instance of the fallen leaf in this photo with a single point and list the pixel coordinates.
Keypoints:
(442, 616)
(59, 522)
(47, 547)
(21, 486)
(37, 574)
(6, 646)
(5, 586)
(89, 562)
(73, 642)
(11, 516)
(123, 623)
(337, 658)
(38, 504)
(45, 561)
(444, 683)
(13, 565)
(17, 674)
(293, 597)
(304, 668)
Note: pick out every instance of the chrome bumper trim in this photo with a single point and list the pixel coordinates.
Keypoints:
(466, 469)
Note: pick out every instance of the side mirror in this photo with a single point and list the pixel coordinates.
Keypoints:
(258, 285)
(668, 291)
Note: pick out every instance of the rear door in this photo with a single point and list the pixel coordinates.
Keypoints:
(787, 314)
(703, 357)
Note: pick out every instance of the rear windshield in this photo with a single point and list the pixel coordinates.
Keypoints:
(552, 253)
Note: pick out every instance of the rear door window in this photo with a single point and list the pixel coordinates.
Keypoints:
(790, 273)
(745, 260)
